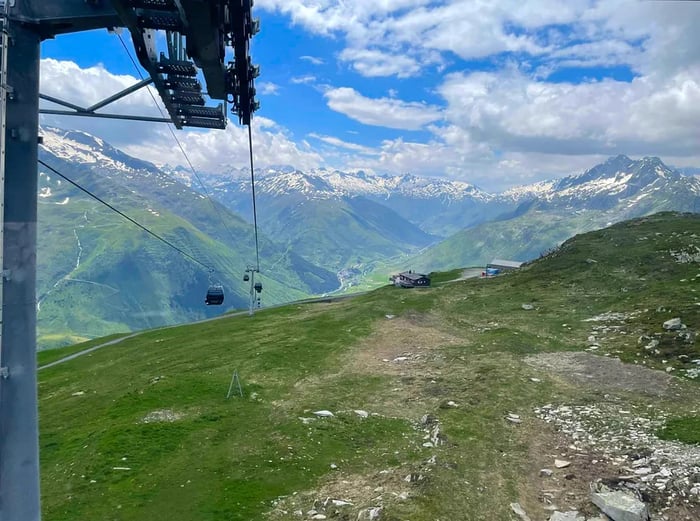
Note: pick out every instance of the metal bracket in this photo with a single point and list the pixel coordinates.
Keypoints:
(4, 372)
(6, 275)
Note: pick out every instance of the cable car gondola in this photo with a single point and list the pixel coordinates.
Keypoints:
(246, 278)
(215, 295)
(258, 287)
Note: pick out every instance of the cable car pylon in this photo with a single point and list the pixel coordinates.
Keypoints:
(255, 289)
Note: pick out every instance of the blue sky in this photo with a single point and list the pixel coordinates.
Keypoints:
(497, 94)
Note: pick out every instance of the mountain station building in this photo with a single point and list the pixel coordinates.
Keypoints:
(409, 279)
(504, 265)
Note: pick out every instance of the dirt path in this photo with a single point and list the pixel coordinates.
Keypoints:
(603, 424)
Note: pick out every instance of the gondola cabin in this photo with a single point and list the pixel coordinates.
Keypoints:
(246, 278)
(258, 287)
(215, 296)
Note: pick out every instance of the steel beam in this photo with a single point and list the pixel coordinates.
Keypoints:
(51, 18)
(19, 447)
(83, 114)
(119, 95)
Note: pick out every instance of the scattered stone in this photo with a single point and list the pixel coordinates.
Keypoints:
(163, 415)
(536, 380)
(121, 468)
(619, 505)
(401, 358)
(514, 418)
(78, 393)
(361, 413)
(340, 502)
(519, 511)
(413, 477)
(324, 414)
(306, 421)
(319, 516)
(389, 316)
(673, 324)
(452, 404)
(561, 464)
(546, 473)
(369, 514)
(334, 466)
(428, 420)
(527, 307)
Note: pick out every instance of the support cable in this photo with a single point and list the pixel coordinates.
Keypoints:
(97, 198)
(252, 186)
(179, 144)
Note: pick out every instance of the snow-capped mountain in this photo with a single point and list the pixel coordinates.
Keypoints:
(327, 184)
(618, 189)
(620, 183)
(437, 206)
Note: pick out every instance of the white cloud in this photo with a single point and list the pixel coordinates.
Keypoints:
(213, 151)
(315, 60)
(371, 62)
(508, 110)
(337, 142)
(67, 81)
(306, 79)
(268, 88)
(576, 33)
(382, 112)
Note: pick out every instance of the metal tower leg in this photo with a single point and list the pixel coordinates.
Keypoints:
(19, 447)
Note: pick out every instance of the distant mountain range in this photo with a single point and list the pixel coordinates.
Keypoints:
(321, 230)
(617, 190)
(319, 212)
(437, 206)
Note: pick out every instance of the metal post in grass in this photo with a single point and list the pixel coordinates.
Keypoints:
(235, 380)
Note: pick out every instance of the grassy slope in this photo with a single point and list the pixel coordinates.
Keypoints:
(229, 459)
(99, 274)
(336, 233)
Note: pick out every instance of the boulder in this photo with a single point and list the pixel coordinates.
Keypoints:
(672, 324)
(619, 505)
(519, 511)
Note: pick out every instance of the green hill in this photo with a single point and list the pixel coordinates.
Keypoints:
(421, 385)
(99, 274)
